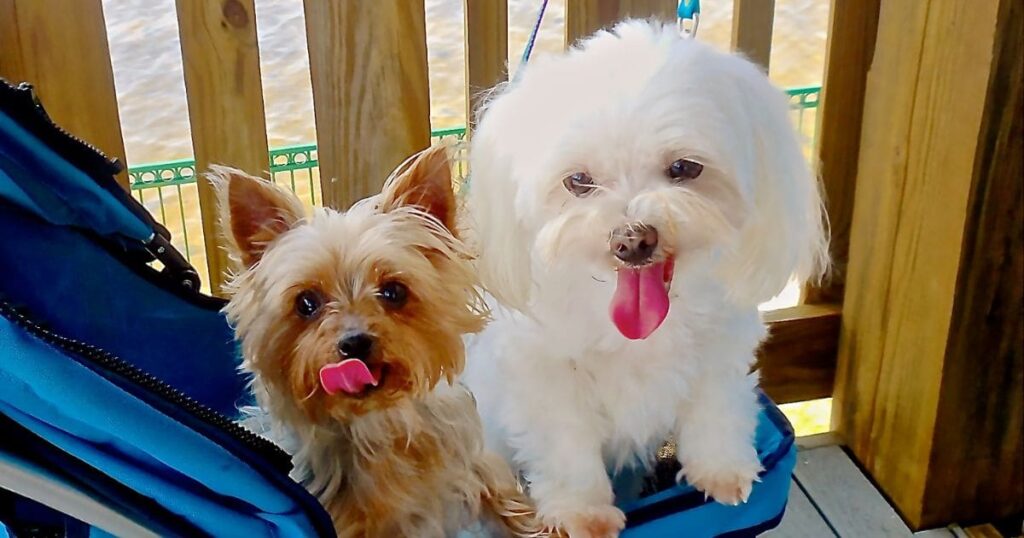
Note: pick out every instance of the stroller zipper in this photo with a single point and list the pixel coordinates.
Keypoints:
(67, 142)
(110, 363)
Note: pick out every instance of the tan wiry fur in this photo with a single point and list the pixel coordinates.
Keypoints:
(405, 458)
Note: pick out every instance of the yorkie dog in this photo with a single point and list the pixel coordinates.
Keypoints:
(351, 325)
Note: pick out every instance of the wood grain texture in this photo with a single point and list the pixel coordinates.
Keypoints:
(752, 23)
(914, 181)
(853, 25)
(979, 428)
(60, 47)
(368, 62)
(584, 17)
(802, 519)
(845, 496)
(797, 362)
(982, 531)
(221, 57)
(486, 50)
(11, 66)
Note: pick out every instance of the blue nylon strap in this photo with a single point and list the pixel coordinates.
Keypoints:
(688, 8)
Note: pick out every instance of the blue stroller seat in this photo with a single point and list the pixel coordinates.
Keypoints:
(119, 382)
(121, 379)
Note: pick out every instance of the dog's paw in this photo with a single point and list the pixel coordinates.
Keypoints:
(590, 522)
(728, 482)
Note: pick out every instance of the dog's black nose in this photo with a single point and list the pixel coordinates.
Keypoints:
(356, 346)
(634, 243)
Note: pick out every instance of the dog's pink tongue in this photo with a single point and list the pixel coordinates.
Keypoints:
(640, 302)
(350, 376)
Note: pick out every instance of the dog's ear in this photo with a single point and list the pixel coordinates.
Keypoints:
(501, 242)
(424, 181)
(786, 235)
(253, 212)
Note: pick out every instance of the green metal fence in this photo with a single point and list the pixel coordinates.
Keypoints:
(804, 102)
(169, 190)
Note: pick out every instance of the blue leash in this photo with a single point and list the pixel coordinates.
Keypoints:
(533, 37)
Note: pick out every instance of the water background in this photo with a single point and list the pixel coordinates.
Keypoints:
(146, 55)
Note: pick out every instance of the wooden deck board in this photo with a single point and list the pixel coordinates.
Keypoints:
(844, 495)
(802, 519)
(831, 497)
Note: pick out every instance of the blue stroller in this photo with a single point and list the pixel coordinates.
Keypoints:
(119, 387)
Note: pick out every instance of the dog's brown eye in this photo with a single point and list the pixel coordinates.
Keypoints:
(684, 169)
(393, 294)
(580, 184)
(307, 304)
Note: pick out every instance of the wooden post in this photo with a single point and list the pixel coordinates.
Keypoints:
(486, 50)
(852, 27)
(752, 22)
(60, 47)
(225, 102)
(368, 62)
(584, 17)
(929, 381)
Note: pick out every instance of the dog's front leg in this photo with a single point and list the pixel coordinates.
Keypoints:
(567, 475)
(715, 441)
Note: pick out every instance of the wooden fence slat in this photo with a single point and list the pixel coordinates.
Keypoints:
(752, 22)
(60, 47)
(486, 25)
(11, 66)
(368, 62)
(220, 53)
(664, 10)
(929, 374)
(584, 17)
(853, 25)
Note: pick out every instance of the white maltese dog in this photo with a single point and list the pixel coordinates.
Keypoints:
(633, 201)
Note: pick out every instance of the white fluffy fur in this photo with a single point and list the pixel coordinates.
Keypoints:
(562, 393)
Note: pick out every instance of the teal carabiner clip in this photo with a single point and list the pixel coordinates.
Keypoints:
(689, 10)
